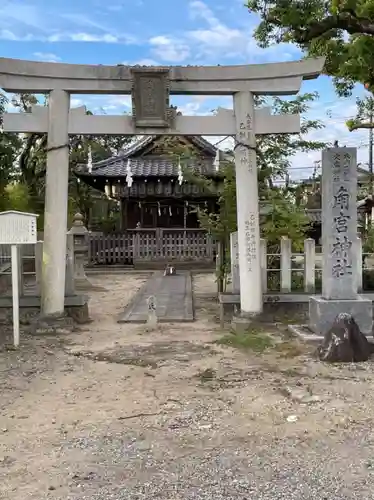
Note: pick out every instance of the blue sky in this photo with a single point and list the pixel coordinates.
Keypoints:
(163, 32)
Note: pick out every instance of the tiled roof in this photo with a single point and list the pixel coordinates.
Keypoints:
(315, 214)
(200, 142)
(149, 165)
(146, 167)
(137, 146)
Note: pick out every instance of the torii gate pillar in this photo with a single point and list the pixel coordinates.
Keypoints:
(247, 205)
(56, 205)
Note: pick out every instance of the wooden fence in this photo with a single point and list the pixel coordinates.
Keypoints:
(146, 245)
(285, 272)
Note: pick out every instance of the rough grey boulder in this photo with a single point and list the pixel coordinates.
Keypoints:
(344, 342)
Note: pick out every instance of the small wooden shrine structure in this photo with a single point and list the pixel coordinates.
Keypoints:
(150, 181)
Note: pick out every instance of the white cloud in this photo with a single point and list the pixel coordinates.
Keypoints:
(217, 40)
(169, 49)
(111, 104)
(83, 20)
(60, 36)
(18, 13)
(13, 37)
(76, 103)
(334, 116)
(143, 62)
(213, 40)
(218, 35)
(83, 37)
(19, 22)
(10, 108)
(47, 56)
(191, 108)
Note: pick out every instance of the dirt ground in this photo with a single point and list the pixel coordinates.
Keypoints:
(114, 411)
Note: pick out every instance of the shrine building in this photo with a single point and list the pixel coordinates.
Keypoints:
(150, 181)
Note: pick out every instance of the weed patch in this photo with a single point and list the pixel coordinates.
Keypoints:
(251, 340)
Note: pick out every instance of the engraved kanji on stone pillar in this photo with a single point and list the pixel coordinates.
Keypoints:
(339, 222)
(150, 97)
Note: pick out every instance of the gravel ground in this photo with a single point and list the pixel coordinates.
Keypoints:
(112, 412)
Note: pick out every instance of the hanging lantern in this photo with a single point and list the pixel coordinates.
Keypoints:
(180, 173)
(108, 190)
(89, 160)
(170, 213)
(216, 160)
(159, 208)
(139, 204)
(114, 190)
(129, 178)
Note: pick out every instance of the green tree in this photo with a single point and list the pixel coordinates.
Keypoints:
(18, 197)
(279, 216)
(275, 151)
(340, 30)
(364, 116)
(9, 150)
(31, 155)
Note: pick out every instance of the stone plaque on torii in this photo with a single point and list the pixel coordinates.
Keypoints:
(153, 116)
(151, 97)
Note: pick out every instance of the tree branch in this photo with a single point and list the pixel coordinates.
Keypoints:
(343, 21)
(360, 125)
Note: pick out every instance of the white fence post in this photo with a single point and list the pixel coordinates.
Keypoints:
(359, 269)
(309, 265)
(264, 265)
(21, 277)
(285, 264)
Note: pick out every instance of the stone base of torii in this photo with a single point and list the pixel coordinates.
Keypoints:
(156, 116)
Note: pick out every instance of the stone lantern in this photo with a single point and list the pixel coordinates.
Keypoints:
(80, 235)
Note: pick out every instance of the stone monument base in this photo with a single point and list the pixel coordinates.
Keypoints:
(322, 313)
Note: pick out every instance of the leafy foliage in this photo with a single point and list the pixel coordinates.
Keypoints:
(18, 197)
(9, 151)
(283, 218)
(364, 116)
(252, 340)
(341, 30)
(275, 151)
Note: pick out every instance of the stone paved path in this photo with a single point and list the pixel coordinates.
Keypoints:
(173, 299)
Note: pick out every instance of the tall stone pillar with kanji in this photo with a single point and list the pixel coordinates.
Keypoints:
(339, 245)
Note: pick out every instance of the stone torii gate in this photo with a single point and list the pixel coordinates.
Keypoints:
(150, 88)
